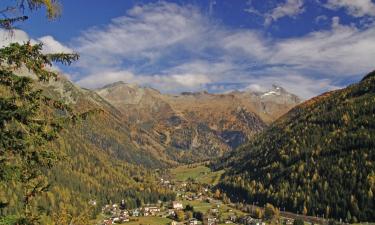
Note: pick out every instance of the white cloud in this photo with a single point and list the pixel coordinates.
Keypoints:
(291, 8)
(356, 8)
(257, 87)
(191, 80)
(249, 42)
(98, 80)
(142, 33)
(177, 48)
(321, 18)
(303, 86)
(50, 45)
(7, 37)
(341, 51)
(165, 83)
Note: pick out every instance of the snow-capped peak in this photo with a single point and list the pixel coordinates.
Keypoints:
(276, 90)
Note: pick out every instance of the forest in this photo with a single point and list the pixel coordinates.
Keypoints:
(48, 174)
(318, 159)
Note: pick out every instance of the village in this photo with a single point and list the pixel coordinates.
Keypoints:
(197, 202)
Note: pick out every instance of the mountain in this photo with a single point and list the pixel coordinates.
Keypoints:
(106, 129)
(318, 159)
(99, 160)
(196, 126)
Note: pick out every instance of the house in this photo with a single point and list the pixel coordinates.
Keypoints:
(193, 221)
(171, 212)
(92, 202)
(177, 205)
(214, 210)
(289, 222)
(211, 221)
(233, 218)
(116, 220)
(176, 223)
(135, 212)
(248, 220)
(153, 210)
(124, 213)
(125, 219)
(107, 222)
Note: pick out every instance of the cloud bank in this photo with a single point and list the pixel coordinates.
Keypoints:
(178, 48)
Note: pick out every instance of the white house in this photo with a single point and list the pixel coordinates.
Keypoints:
(177, 205)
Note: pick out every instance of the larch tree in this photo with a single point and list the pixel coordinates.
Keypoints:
(28, 121)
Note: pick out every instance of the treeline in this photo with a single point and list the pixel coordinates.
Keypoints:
(317, 160)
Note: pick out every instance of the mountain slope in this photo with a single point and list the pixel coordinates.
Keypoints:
(197, 126)
(318, 159)
(106, 129)
(99, 160)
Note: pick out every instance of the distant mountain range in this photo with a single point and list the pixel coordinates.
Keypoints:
(195, 126)
(318, 159)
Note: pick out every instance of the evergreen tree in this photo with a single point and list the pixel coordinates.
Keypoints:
(25, 128)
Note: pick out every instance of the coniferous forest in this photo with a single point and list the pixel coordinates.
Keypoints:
(317, 160)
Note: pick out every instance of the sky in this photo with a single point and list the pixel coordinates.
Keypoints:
(306, 46)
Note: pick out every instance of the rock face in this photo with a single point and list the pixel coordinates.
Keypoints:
(196, 126)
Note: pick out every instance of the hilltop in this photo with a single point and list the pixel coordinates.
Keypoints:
(318, 159)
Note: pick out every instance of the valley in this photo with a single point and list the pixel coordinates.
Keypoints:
(209, 188)
(131, 162)
(187, 112)
(197, 202)
(199, 126)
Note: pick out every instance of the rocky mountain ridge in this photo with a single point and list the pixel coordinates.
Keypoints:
(141, 125)
(197, 125)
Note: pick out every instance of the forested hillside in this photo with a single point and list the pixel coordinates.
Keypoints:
(106, 130)
(97, 162)
(318, 159)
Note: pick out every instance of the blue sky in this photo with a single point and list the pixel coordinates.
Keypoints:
(306, 46)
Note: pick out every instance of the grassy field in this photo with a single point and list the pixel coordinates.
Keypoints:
(199, 173)
(205, 206)
(199, 206)
(151, 220)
